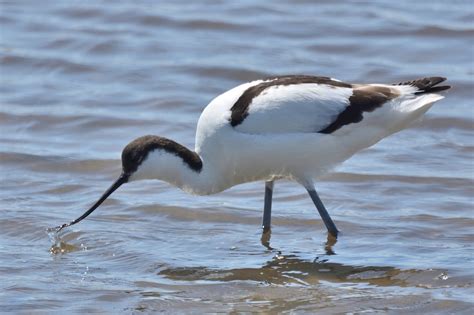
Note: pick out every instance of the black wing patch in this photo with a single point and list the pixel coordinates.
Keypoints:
(362, 100)
(239, 110)
(427, 85)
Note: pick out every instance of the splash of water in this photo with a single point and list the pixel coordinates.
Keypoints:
(59, 246)
(53, 235)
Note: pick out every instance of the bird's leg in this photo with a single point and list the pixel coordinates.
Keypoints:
(267, 207)
(323, 212)
(267, 215)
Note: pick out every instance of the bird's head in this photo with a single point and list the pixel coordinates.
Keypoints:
(146, 157)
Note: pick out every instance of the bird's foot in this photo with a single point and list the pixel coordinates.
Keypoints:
(266, 235)
(330, 242)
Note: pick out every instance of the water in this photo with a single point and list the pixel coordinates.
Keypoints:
(79, 80)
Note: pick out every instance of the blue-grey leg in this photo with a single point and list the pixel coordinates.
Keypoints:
(267, 215)
(267, 207)
(323, 212)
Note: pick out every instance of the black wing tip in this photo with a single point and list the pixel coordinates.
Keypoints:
(438, 88)
(427, 85)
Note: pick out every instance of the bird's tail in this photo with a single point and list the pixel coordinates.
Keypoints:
(410, 109)
(427, 85)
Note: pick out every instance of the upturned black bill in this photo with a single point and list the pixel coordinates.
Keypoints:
(121, 180)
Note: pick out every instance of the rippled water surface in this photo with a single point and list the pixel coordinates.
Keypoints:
(79, 80)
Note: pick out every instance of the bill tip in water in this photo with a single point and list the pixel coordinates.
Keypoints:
(122, 179)
(57, 228)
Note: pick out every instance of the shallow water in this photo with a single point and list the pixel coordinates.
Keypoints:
(79, 80)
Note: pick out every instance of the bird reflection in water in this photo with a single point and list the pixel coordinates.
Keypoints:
(328, 246)
(290, 269)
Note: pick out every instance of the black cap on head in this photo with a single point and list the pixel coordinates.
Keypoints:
(137, 151)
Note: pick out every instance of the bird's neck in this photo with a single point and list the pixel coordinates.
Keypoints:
(184, 169)
(212, 168)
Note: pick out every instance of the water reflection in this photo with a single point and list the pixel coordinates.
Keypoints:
(289, 269)
(328, 246)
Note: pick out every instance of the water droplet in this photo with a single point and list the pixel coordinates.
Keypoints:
(53, 235)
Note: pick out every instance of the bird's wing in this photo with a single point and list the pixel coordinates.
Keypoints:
(304, 104)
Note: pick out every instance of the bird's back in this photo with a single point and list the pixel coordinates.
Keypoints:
(304, 104)
(296, 126)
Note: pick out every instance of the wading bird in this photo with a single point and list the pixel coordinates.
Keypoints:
(294, 127)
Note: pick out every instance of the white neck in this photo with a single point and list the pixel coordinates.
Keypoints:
(224, 165)
(171, 168)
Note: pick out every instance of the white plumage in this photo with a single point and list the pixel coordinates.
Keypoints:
(292, 127)
(279, 138)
